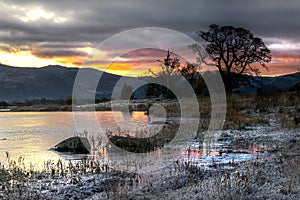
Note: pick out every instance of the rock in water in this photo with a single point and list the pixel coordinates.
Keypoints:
(76, 145)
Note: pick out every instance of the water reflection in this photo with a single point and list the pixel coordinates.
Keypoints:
(224, 154)
(32, 134)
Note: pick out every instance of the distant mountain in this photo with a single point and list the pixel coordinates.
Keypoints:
(270, 84)
(52, 82)
(56, 82)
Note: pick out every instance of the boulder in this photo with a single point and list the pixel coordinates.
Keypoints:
(76, 145)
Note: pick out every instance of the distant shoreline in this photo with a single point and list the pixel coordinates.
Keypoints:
(119, 105)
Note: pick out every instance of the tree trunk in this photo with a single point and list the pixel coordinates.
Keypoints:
(228, 83)
(227, 80)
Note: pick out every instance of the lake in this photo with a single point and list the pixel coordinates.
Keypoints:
(32, 134)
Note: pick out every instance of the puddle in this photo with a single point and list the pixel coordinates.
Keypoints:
(222, 154)
(226, 151)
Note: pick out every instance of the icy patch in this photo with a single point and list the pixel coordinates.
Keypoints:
(225, 161)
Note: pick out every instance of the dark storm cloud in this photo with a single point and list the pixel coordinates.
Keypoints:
(58, 53)
(53, 45)
(156, 53)
(90, 22)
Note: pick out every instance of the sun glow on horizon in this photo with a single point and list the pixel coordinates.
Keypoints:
(24, 59)
(133, 64)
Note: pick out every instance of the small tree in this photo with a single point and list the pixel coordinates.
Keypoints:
(3, 104)
(68, 100)
(191, 72)
(234, 51)
(169, 64)
(169, 69)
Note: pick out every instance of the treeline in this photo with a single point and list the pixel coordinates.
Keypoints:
(32, 102)
(44, 101)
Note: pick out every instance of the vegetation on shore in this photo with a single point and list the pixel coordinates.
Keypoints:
(276, 175)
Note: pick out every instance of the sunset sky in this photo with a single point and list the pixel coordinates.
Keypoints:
(65, 32)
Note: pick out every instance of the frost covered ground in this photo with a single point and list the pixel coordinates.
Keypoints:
(257, 156)
(267, 167)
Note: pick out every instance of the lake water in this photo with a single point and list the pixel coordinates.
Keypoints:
(31, 134)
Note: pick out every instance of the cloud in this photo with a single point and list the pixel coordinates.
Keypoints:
(57, 45)
(145, 53)
(94, 21)
(13, 49)
(61, 28)
(281, 69)
(58, 53)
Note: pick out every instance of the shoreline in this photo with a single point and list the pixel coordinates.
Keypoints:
(250, 120)
(65, 180)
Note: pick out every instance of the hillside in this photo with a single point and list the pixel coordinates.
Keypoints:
(52, 82)
(56, 82)
(270, 84)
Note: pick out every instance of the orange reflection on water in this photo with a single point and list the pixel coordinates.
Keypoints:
(122, 120)
(35, 119)
(139, 117)
(30, 135)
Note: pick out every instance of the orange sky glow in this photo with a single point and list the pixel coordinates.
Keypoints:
(134, 65)
(41, 33)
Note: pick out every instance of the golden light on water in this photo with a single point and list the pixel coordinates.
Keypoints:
(30, 135)
(139, 116)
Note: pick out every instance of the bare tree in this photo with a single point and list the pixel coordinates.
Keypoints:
(169, 64)
(169, 69)
(191, 72)
(234, 51)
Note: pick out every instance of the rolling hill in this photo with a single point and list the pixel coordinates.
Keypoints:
(51, 82)
(56, 82)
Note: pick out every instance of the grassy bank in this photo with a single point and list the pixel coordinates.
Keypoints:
(274, 174)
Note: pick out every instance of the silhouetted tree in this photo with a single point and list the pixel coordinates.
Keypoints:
(296, 87)
(191, 72)
(234, 51)
(3, 104)
(68, 100)
(169, 69)
(169, 64)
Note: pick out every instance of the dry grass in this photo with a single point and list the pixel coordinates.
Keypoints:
(276, 176)
(273, 176)
(60, 179)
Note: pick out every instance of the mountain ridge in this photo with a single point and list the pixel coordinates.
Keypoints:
(52, 82)
(56, 82)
